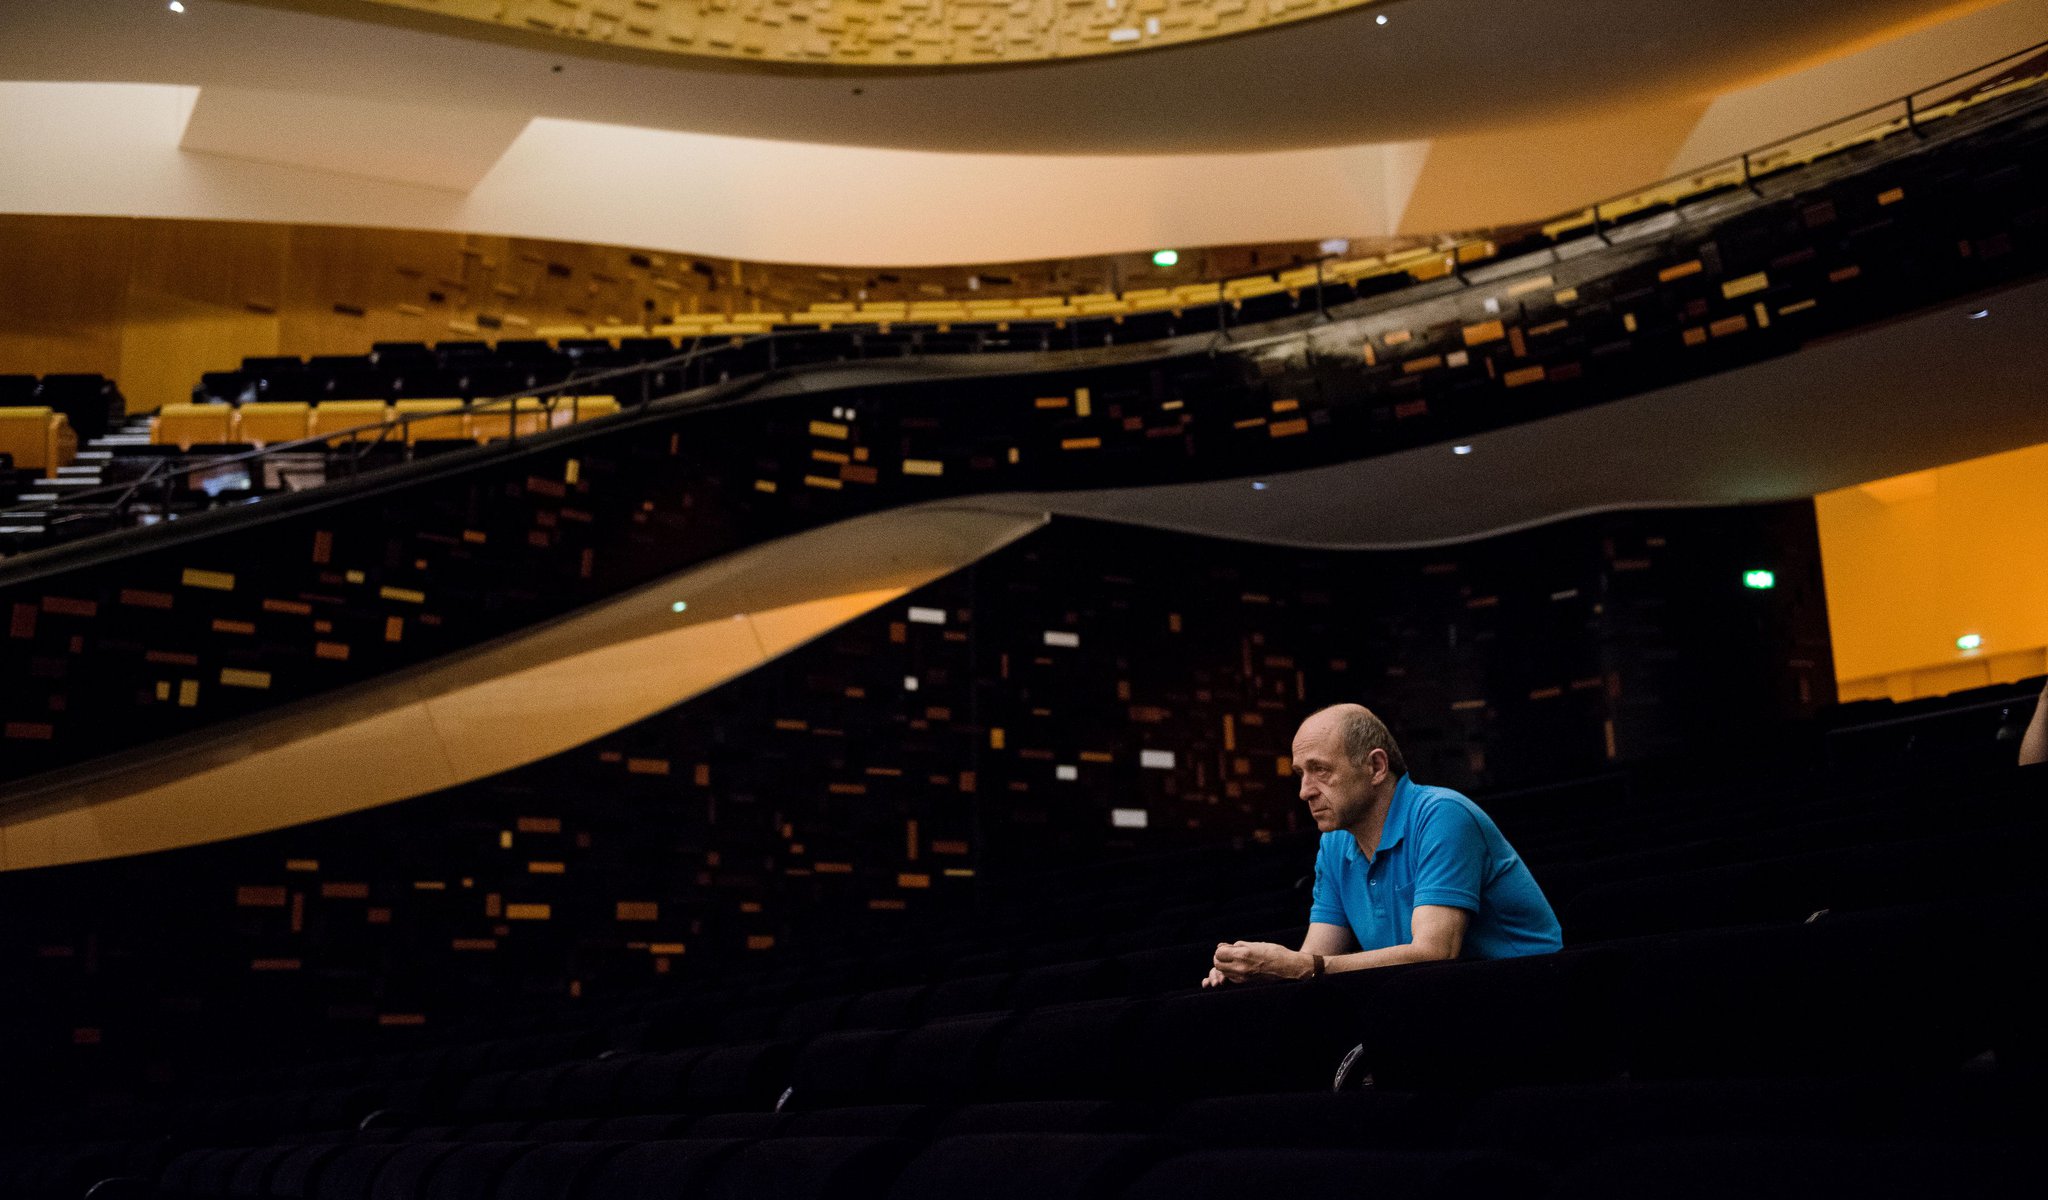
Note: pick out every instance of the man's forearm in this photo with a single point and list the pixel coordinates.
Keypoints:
(1391, 956)
(2034, 747)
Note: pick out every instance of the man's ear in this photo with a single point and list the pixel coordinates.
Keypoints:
(1376, 764)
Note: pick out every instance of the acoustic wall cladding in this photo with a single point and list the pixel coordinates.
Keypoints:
(165, 630)
(1088, 693)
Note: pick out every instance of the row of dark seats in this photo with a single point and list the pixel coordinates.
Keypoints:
(1458, 1059)
(473, 370)
(1922, 989)
(1116, 939)
(92, 403)
(1910, 991)
(1761, 1161)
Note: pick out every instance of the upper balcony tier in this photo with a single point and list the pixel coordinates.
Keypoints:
(148, 632)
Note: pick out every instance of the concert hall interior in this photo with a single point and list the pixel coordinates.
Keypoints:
(656, 598)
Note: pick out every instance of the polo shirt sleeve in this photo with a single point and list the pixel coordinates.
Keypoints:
(1451, 865)
(1326, 902)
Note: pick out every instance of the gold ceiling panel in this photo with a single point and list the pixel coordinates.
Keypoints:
(882, 32)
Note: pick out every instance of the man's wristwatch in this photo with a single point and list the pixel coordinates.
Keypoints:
(1315, 970)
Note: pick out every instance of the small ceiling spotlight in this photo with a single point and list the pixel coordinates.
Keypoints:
(1380, 20)
(1461, 449)
(1335, 246)
(1980, 314)
(1258, 486)
(679, 606)
(1165, 258)
(1969, 642)
(176, 7)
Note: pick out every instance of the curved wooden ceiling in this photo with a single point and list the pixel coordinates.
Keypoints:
(935, 33)
(1438, 68)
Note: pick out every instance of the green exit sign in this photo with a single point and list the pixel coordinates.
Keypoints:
(1760, 580)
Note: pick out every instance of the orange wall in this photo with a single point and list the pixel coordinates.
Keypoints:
(1916, 561)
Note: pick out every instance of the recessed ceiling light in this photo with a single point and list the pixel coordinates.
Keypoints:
(1258, 487)
(1970, 641)
(176, 7)
(679, 606)
(1461, 449)
(1380, 20)
(1980, 314)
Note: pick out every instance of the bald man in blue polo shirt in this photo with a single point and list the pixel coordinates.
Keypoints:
(1405, 872)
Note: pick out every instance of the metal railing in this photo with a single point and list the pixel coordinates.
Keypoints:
(1905, 113)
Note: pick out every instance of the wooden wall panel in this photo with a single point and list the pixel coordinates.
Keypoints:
(156, 303)
(61, 308)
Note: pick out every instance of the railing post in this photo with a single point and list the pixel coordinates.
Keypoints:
(1599, 232)
(1913, 118)
(1748, 179)
(1321, 311)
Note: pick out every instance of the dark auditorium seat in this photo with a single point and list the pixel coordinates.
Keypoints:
(1028, 1166)
(1790, 1168)
(1880, 992)
(1464, 1026)
(658, 1170)
(1338, 1174)
(1370, 1119)
(1285, 1037)
(557, 1169)
(943, 1062)
(840, 1068)
(811, 1168)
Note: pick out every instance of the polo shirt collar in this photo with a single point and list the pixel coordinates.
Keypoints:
(1396, 823)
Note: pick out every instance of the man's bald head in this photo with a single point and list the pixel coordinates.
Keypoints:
(1359, 732)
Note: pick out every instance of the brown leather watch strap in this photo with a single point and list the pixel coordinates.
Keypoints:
(1316, 971)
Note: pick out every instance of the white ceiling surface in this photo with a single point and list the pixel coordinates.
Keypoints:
(1304, 132)
(1923, 392)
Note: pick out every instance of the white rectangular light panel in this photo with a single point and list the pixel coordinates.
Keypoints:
(1129, 818)
(1055, 637)
(1066, 773)
(1161, 759)
(927, 616)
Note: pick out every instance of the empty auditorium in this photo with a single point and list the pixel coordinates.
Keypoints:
(1023, 599)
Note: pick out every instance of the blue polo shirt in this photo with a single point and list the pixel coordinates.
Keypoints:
(1437, 848)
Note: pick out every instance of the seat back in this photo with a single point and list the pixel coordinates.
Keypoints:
(348, 414)
(496, 422)
(570, 410)
(433, 428)
(186, 425)
(37, 438)
(267, 421)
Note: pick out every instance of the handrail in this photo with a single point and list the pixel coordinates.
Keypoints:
(553, 392)
(1745, 158)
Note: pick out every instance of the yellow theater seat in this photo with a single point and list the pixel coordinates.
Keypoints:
(39, 438)
(348, 414)
(187, 425)
(572, 409)
(454, 425)
(268, 421)
(490, 424)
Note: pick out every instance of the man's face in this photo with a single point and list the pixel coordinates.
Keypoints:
(1338, 792)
